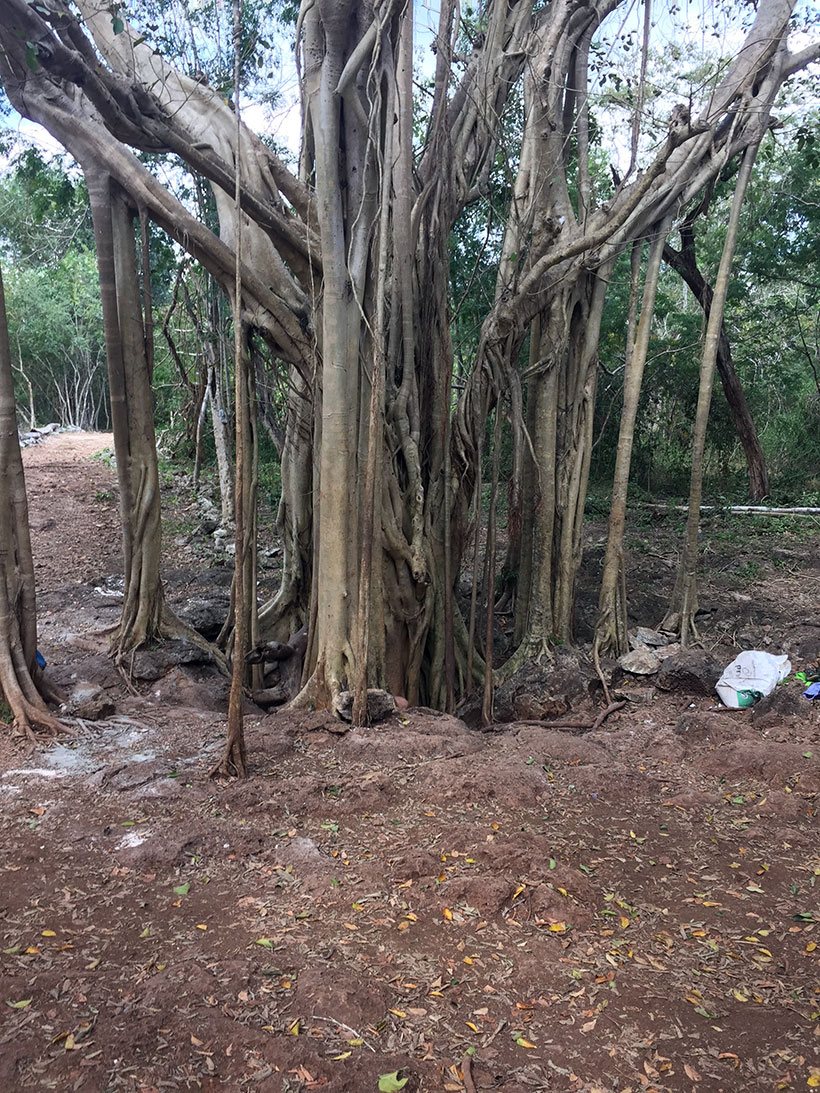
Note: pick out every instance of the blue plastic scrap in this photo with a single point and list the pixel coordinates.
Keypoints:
(41, 660)
(813, 691)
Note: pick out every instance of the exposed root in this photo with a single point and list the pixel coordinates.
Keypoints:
(596, 658)
(578, 726)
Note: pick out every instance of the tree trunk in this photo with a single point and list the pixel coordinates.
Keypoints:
(132, 413)
(683, 608)
(684, 262)
(611, 628)
(21, 685)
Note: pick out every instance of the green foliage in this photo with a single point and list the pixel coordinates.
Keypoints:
(44, 211)
(771, 320)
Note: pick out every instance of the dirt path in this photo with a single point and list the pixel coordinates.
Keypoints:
(635, 909)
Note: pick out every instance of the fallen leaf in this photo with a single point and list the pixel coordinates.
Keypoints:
(391, 1083)
(182, 889)
(21, 1005)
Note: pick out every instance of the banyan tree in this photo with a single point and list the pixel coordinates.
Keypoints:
(343, 273)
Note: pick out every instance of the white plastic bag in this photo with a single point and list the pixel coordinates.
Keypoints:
(751, 676)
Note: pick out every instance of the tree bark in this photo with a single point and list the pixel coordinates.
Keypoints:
(21, 684)
(611, 628)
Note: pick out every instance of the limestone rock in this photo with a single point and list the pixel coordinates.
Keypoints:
(641, 661)
(89, 702)
(653, 638)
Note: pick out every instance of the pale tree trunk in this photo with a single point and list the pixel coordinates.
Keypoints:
(683, 608)
(611, 628)
(219, 425)
(132, 413)
(21, 685)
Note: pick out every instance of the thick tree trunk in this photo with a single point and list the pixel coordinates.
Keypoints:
(684, 262)
(21, 684)
(132, 413)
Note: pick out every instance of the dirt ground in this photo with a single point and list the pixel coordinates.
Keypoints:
(530, 909)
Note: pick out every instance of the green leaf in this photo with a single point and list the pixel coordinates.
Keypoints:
(21, 1005)
(552, 863)
(182, 889)
(391, 1083)
(804, 916)
(265, 942)
(117, 25)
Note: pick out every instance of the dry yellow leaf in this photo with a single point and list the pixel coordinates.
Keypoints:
(201, 926)
(472, 1026)
(49, 933)
(740, 996)
(557, 927)
(448, 914)
(398, 1013)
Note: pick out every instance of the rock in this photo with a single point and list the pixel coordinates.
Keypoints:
(89, 702)
(380, 704)
(692, 671)
(545, 689)
(270, 696)
(206, 614)
(654, 638)
(641, 661)
(667, 650)
(153, 662)
(530, 707)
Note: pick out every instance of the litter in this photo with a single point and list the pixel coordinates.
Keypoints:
(751, 676)
(813, 691)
